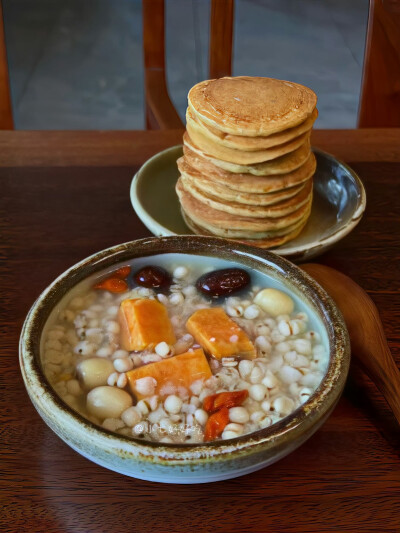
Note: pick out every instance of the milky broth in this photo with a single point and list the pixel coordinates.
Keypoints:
(292, 356)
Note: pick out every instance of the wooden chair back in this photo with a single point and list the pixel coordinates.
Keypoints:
(160, 111)
(380, 93)
(380, 89)
(6, 118)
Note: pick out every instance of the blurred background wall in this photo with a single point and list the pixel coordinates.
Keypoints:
(77, 64)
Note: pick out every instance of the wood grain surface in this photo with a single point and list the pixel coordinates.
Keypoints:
(380, 88)
(160, 111)
(221, 38)
(345, 478)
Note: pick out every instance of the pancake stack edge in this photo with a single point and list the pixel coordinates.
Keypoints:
(246, 172)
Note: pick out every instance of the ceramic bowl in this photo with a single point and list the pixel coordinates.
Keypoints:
(187, 463)
(338, 203)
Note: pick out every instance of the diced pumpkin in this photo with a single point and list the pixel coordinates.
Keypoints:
(172, 374)
(144, 323)
(219, 335)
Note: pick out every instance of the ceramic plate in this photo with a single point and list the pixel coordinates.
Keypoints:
(338, 204)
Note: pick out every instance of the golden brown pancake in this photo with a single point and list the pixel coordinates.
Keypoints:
(278, 210)
(240, 157)
(211, 187)
(277, 241)
(240, 142)
(251, 106)
(282, 165)
(271, 238)
(203, 214)
(246, 182)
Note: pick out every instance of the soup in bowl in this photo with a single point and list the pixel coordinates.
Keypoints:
(184, 359)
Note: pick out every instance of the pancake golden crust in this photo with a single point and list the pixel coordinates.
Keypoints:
(240, 142)
(264, 241)
(247, 182)
(240, 157)
(281, 165)
(211, 187)
(278, 241)
(278, 210)
(205, 214)
(251, 106)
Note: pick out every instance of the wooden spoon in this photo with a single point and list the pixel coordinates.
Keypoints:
(368, 341)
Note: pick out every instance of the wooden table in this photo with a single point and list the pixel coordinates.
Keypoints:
(64, 195)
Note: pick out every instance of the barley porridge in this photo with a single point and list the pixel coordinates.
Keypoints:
(169, 350)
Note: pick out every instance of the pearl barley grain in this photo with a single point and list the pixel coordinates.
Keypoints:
(146, 386)
(283, 405)
(245, 368)
(258, 392)
(173, 404)
(123, 365)
(163, 349)
(131, 416)
(256, 375)
(237, 428)
(251, 312)
(201, 416)
(239, 415)
(180, 272)
(122, 381)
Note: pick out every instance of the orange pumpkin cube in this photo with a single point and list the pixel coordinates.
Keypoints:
(144, 323)
(219, 335)
(173, 374)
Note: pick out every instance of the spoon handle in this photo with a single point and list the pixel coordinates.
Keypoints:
(376, 360)
(368, 342)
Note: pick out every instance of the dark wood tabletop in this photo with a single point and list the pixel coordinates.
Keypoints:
(65, 195)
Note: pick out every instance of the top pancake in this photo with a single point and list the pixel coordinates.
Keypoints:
(251, 106)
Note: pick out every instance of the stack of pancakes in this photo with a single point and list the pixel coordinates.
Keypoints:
(247, 167)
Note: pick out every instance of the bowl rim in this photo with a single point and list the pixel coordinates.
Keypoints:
(285, 250)
(319, 404)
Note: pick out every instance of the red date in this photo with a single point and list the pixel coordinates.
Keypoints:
(153, 277)
(223, 282)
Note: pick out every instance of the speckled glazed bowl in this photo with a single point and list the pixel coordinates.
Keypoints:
(187, 463)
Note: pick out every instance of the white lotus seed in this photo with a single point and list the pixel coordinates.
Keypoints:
(274, 302)
(108, 402)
